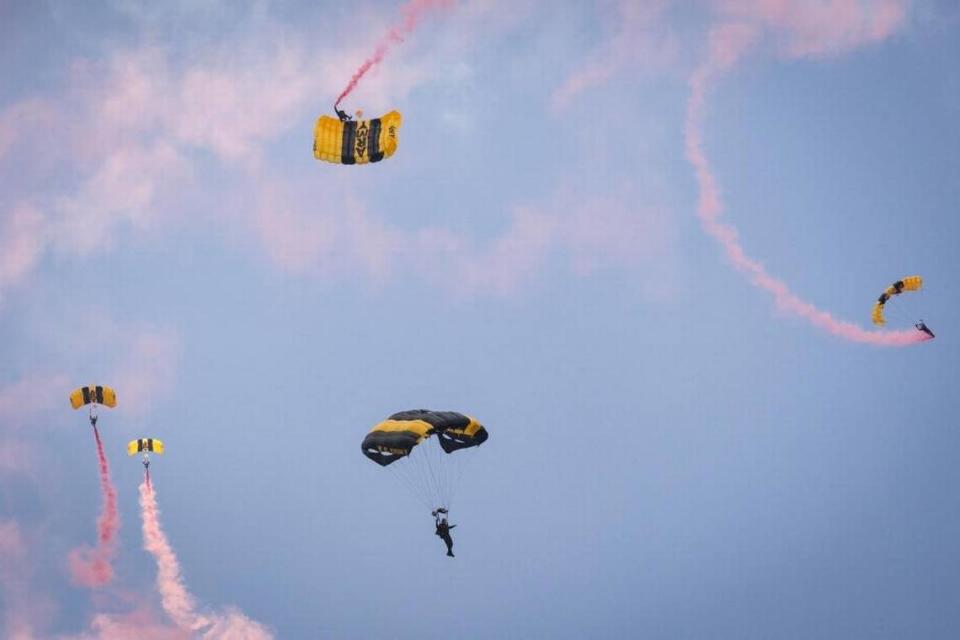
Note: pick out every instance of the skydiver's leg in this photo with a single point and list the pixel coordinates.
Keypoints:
(449, 542)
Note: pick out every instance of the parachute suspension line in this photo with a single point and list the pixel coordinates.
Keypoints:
(435, 475)
(414, 475)
(443, 474)
(893, 310)
(430, 476)
(459, 466)
(419, 466)
(398, 470)
(451, 464)
(421, 482)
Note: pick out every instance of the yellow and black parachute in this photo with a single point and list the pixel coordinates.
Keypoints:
(93, 394)
(429, 469)
(910, 283)
(345, 141)
(144, 445)
(396, 436)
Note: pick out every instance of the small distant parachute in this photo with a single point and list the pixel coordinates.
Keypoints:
(93, 394)
(428, 469)
(910, 283)
(346, 141)
(150, 445)
(146, 446)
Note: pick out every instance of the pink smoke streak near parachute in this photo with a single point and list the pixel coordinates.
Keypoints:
(412, 12)
(176, 600)
(94, 567)
(727, 44)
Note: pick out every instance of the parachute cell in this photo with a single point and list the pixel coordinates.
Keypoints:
(356, 141)
(454, 430)
(910, 283)
(93, 394)
(393, 439)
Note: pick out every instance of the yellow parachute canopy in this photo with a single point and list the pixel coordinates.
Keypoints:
(910, 283)
(151, 445)
(97, 394)
(356, 141)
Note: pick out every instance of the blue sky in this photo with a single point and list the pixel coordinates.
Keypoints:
(670, 455)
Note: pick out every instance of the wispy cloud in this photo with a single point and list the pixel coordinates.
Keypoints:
(641, 40)
(24, 613)
(23, 238)
(21, 403)
(800, 28)
(146, 375)
(590, 233)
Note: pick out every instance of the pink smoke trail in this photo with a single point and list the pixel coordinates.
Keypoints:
(176, 600)
(412, 11)
(727, 44)
(94, 567)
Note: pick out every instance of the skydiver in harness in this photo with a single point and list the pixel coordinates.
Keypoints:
(921, 326)
(342, 114)
(443, 529)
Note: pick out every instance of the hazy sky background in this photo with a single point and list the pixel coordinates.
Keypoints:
(670, 456)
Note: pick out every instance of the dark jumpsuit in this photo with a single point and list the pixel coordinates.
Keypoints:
(443, 532)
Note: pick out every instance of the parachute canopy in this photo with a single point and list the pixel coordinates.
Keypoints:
(95, 394)
(151, 445)
(356, 141)
(421, 442)
(396, 436)
(910, 283)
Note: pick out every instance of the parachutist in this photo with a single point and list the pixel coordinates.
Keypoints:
(419, 441)
(921, 326)
(342, 114)
(443, 530)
